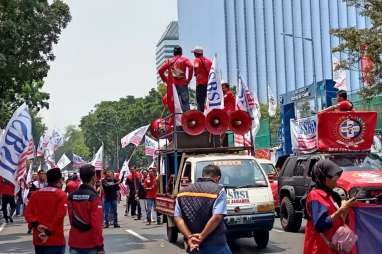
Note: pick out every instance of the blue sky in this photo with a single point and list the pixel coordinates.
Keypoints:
(106, 52)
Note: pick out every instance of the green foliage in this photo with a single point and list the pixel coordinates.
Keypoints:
(353, 42)
(111, 120)
(38, 128)
(28, 31)
(74, 143)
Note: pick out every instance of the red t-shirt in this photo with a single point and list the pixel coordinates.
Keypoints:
(6, 187)
(229, 101)
(345, 106)
(150, 186)
(202, 67)
(178, 66)
(72, 186)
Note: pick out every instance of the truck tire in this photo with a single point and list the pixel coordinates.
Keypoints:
(262, 238)
(289, 218)
(172, 234)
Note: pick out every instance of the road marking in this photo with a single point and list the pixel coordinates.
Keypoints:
(280, 231)
(2, 227)
(131, 232)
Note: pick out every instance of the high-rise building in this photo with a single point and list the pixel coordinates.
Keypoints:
(166, 44)
(269, 42)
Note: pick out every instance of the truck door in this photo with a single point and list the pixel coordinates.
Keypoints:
(309, 169)
(185, 176)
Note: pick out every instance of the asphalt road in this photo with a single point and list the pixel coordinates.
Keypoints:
(137, 237)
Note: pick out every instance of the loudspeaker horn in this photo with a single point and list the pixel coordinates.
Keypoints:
(193, 122)
(240, 122)
(217, 121)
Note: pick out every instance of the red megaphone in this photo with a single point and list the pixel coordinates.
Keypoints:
(217, 121)
(159, 127)
(193, 122)
(240, 122)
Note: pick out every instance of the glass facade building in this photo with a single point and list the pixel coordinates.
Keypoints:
(248, 37)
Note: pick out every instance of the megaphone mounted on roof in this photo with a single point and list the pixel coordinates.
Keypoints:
(240, 122)
(193, 122)
(217, 121)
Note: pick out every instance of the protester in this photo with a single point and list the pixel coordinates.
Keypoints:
(110, 188)
(229, 98)
(133, 181)
(325, 209)
(151, 189)
(45, 213)
(86, 216)
(40, 182)
(178, 66)
(7, 192)
(199, 213)
(343, 104)
(73, 184)
(202, 67)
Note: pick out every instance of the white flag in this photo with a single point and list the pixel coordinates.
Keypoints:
(339, 76)
(63, 162)
(215, 97)
(30, 174)
(134, 137)
(78, 161)
(272, 103)
(177, 107)
(56, 140)
(16, 145)
(97, 161)
(151, 146)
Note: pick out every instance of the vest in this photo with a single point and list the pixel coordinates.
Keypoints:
(196, 202)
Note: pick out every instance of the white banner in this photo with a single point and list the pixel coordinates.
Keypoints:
(134, 137)
(177, 107)
(151, 146)
(78, 161)
(339, 76)
(272, 103)
(97, 161)
(63, 162)
(15, 145)
(304, 134)
(215, 97)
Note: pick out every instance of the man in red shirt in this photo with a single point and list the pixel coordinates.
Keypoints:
(229, 98)
(86, 216)
(7, 192)
(178, 65)
(150, 185)
(202, 67)
(73, 184)
(343, 104)
(45, 212)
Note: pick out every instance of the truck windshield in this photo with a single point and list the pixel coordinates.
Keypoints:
(357, 161)
(268, 168)
(236, 173)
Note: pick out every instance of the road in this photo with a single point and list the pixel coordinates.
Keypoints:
(136, 237)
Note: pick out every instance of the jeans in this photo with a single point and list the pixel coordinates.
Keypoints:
(49, 249)
(201, 95)
(134, 206)
(213, 249)
(19, 205)
(150, 203)
(5, 200)
(107, 206)
(82, 251)
(183, 97)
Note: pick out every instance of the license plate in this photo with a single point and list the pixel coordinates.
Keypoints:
(237, 220)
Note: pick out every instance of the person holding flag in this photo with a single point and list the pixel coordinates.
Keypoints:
(229, 98)
(178, 66)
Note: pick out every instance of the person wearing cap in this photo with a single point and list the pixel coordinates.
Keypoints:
(45, 213)
(325, 209)
(86, 216)
(343, 104)
(202, 67)
(229, 98)
(178, 65)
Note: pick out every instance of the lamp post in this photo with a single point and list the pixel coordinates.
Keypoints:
(116, 127)
(313, 61)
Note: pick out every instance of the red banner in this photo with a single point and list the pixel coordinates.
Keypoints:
(346, 131)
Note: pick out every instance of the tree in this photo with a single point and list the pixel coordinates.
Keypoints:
(74, 143)
(28, 31)
(359, 43)
(38, 128)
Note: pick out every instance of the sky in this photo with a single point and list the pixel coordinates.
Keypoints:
(106, 52)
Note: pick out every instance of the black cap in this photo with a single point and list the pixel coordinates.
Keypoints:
(327, 168)
(53, 175)
(178, 50)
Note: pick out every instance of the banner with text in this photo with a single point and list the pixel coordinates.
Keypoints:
(304, 134)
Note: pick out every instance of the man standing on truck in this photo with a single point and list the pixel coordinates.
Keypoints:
(343, 104)
(199, 213)
(178, 65)
(229, 98)
(202, 67)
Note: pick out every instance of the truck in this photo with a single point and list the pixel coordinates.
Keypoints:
(250, 203)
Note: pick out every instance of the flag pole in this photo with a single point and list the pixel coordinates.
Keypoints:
(269, 119)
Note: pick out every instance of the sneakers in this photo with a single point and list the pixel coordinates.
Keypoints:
(10, 220)
(116, 226)
(106, 226)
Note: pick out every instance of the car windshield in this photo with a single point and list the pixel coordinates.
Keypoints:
(352, 162)
(268, 168)
(236, 173)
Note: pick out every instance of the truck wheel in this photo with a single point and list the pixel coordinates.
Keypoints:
(172, 234)
(262, 238)
(290, 220)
